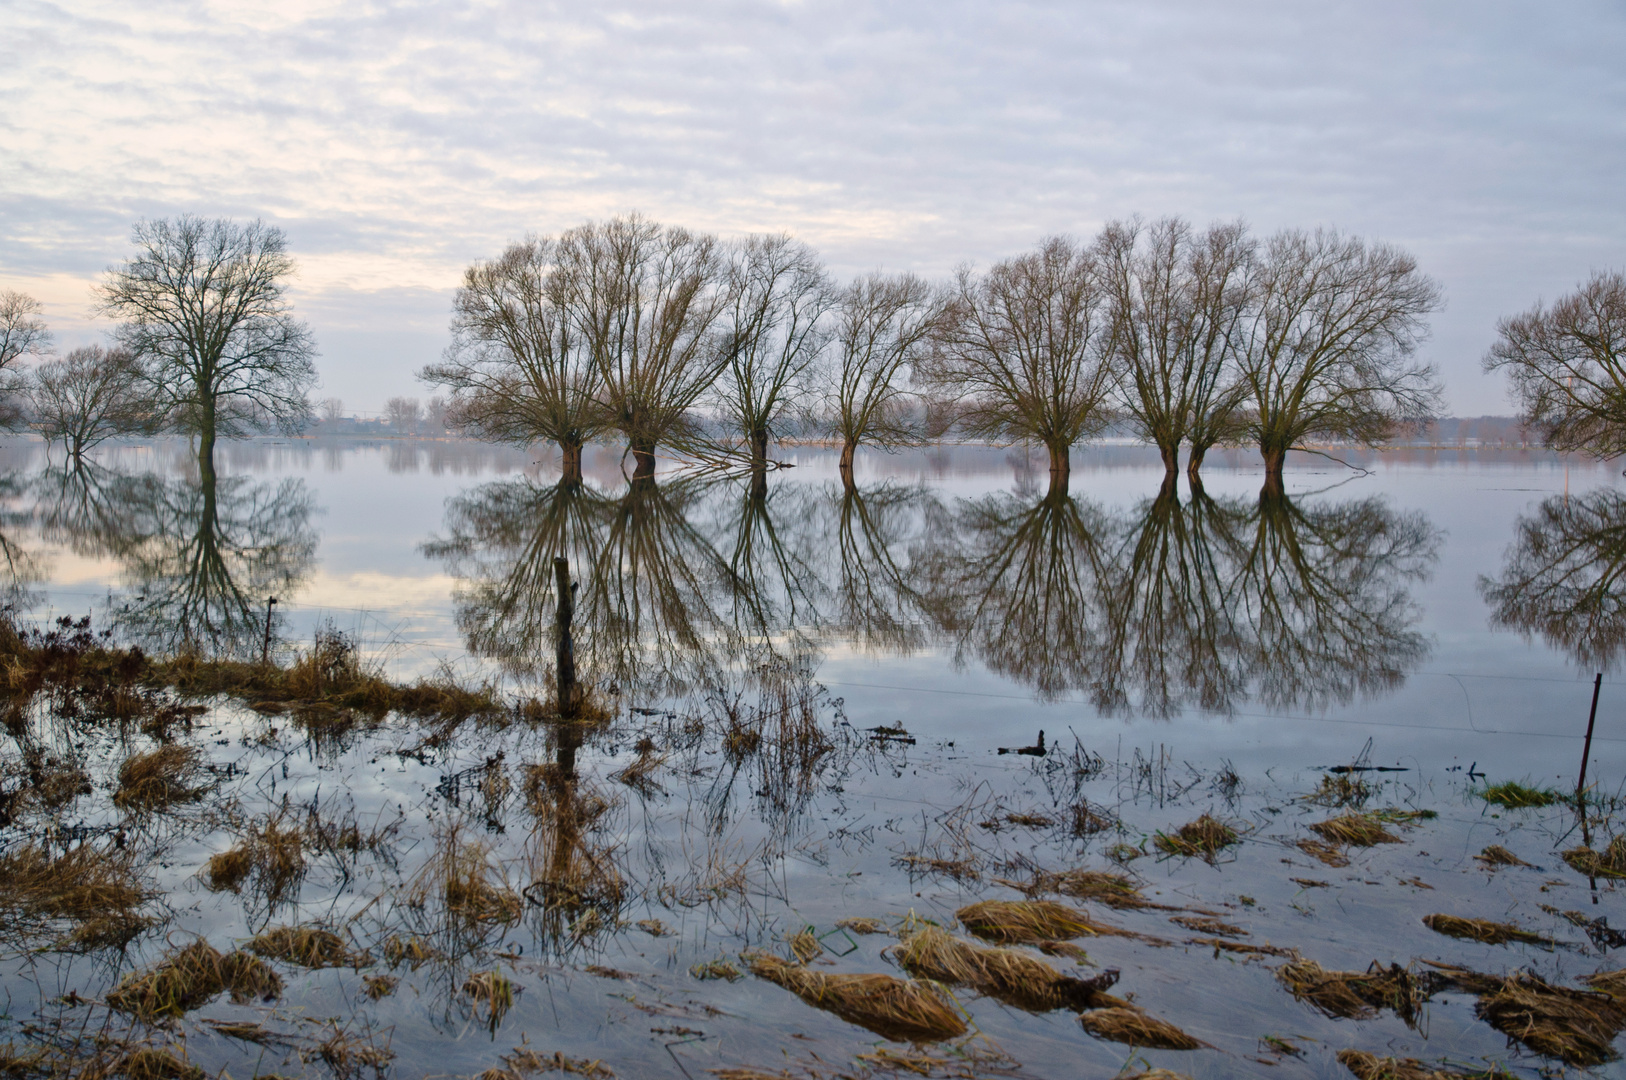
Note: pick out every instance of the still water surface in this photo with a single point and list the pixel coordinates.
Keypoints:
(1183, 652)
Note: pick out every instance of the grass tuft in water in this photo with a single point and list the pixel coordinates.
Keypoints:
(307, 946)
(1204, 838)
(1483, 931)
(1131, 1026)
(1516, 796)
(1010, 976)
(893, 1008)
(1355, 995)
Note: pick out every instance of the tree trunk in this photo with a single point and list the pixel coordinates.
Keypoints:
(1061, 468)
(759, 463)
(1194, 464)
(848, 449)
(565, 648)
(1171, 457)
(206, 446)
(571, 462)
(643, 459)
(1275, 458)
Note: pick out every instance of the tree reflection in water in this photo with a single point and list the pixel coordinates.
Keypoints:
(1169, 605)
(199, 556)
(1564, 578)
(19, 570)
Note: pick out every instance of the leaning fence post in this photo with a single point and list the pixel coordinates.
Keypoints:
(265, 650)
(565, 655)
(1586, 749)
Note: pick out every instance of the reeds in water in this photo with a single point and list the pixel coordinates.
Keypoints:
(906, 1010)
(1013, 977)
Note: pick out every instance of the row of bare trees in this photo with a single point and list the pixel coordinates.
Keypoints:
(1194, 337)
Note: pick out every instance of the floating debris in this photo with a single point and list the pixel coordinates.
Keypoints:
(1355, 995)
(1576, 1026)
(1010, 976)
(1328, 854)
(1099, 886)
(1200, 925)
(1496, 855)
(893, 1008)
(1130, 1025)
(1367, 1066)
(717, 969)
(1483, 931)
(862, 926)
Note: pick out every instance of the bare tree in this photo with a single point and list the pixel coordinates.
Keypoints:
(22, 333)
(518, 368)
(883, 327)
(646, 299)
(1330, 343)
(330, 410)
(436, 414)
(89, 396)
(206, 317)
(402, 414)
(778, 294)
(1026, 345)
(1567, 364)
(1178, 301)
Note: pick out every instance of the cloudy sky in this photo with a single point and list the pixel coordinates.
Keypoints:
(396, 142)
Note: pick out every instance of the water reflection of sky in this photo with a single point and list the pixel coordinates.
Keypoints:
(956, 621)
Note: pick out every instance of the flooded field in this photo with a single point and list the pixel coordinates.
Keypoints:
(945, 776)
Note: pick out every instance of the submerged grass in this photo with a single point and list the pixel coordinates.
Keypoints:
(1365, 1066)
(1516, 796)
(1013, 977)
(307, 946)
(191, 977)
(1354, 830)
(1136, 1028)
(1575, 1026)
(1204, 838)
(160, 778)
(1026, 922)
(903, 1010)
(1496, 855)
(1355, 995)
(1483, 931)
(1100, 886)
(1608, 863)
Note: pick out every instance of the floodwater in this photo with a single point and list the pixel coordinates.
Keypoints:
(806, 698)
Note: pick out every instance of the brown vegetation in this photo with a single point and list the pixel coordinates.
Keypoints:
(1608, 863)
(1205, 837)
(1025, 922)
(1355, 995)
(1010, 976)
(1483, 930)
(1130, 1025)
(1354, 830)
(905, 1010)
(192, 977)
(307, 946)
(1496, 855)
(158, 778)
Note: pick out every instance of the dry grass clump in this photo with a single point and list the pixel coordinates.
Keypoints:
(1354, 830)
(272, 853)
(151, 1063)
(639, 773)
(1483, 930)
(957, 869)
(1131, 1026)
(492, 991)
(460, 873)
(1608, 863)
(159, 778)
(1342, 790)
(307, 946)
(192, 977)
(1205, 838)
(1010, 976)
(1328, 854)
(1367, 1066)
(893, 1008)
(1099, 886)
(1200, 925)
(717, 969)
(85, 883)
(412, 951)
(1025, 922)
(1576, 1026)
(862, 925)
(1355, 995)
(1497, 855)
(349, 1055)
(379, 986)
(804, 944)
(1516, 796)
(524, 1061)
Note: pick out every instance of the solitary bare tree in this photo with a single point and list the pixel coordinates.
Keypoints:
(778, 293)
(1178, 301)
(1567, 364)
(22, 333)
(646, 300)
(883, 327)
(402, 414)
(89, 396)
(1330, 343)
(1025, 344)
(518, 369)
(206, 316)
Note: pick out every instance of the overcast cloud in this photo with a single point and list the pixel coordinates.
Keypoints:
(397, 142)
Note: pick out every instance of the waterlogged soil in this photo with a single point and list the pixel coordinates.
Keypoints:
(528, 896)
